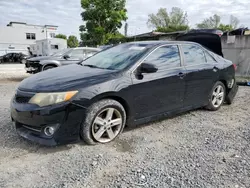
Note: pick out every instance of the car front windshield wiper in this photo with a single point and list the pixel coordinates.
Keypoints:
(94, 66)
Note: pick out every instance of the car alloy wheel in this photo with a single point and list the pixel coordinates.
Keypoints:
(104, 121)
(218, 96)
(107, 125)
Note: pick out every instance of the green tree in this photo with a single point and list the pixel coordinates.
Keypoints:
(61, 36)
(102, 20)
(234, 22)
(175, 20)
(224, 27)
(72, 41)
(214, 22)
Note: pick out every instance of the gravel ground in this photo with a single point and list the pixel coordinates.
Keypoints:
(196, 149)
(12, 72)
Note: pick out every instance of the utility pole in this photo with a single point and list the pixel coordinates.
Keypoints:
(126, 29)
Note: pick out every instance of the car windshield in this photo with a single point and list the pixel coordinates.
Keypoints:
(61, 52)
(118, 57)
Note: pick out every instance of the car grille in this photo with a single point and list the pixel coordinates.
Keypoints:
(21, 99)
(31, 64)
(34, 129)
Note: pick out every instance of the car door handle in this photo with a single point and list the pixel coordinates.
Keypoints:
(181, 75)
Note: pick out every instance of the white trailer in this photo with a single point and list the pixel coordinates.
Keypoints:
(47, 47)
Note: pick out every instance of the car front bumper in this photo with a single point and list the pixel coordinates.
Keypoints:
(30, 122)
(32, 67)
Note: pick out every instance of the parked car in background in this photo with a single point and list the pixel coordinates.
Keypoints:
(129, 84)
(13, 58)
(63, 57)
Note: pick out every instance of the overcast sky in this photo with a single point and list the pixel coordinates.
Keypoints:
(66, 13)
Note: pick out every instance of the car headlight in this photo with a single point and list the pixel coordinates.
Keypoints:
(46, 99)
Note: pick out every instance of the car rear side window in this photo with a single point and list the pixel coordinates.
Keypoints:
(193, 55)
(165, 57)
(209, 58)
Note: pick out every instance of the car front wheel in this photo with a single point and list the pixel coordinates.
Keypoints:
(104, 121)
(217, 96)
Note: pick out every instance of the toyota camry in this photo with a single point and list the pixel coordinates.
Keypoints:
(129, 84)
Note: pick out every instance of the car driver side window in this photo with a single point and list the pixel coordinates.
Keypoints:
(166, 57)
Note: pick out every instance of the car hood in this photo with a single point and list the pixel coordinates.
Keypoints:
(41, 58)
(208, 40)
(65, 78)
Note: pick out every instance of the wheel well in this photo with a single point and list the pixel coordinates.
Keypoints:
(225, 84)
(121, 101)
(53, 65)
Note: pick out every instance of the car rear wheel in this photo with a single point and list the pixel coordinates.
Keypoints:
(217, 96)
(104, 121)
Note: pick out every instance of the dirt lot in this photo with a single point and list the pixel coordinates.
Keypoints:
(197, 149)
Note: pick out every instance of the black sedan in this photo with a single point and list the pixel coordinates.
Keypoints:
(128, 84)
(13, 58)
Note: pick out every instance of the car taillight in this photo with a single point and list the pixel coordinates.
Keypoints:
(235, 66)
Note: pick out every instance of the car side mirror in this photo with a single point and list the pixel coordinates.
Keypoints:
(147, 68)
(66, 56)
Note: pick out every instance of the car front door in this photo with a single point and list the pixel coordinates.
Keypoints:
(162, 91)
(75, 56)
(201, 74)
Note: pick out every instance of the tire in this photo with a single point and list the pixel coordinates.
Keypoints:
(48, 67)
(221, 98)
(89, 129)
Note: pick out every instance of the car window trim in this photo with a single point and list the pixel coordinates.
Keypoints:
(143, 59)
(207, 52)
(184, 63)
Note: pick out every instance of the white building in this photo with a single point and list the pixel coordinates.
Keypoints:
(17, 36)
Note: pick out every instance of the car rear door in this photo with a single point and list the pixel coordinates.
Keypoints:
(162, 91)
(201, 74)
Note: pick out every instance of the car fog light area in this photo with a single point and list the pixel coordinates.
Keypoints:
(50, 130)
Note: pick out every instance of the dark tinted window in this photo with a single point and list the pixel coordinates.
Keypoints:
(193, 55)
(165, 57)
(31, 36)
(119, 57)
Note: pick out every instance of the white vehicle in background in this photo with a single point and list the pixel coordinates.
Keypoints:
(48, 47)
